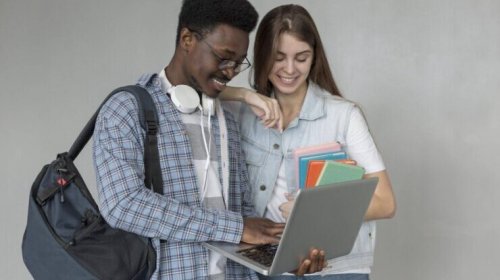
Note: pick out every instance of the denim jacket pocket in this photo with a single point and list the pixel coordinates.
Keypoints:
(255, 157)
(255, 154)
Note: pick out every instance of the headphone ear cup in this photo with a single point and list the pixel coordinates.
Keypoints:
(185, 98)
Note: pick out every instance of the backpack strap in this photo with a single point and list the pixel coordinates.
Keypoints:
(149, 122)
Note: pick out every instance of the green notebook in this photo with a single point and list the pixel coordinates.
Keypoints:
(335, 172)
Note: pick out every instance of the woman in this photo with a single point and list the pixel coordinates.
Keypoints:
(291, 69)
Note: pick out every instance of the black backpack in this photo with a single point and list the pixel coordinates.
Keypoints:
(66, 236)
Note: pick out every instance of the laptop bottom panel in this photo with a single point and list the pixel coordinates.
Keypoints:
(232, 252)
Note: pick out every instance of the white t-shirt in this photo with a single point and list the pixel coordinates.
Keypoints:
(212, 193)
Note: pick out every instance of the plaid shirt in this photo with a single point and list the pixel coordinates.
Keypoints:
(177, 218)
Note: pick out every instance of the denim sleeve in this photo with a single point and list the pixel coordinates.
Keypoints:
(127, 204)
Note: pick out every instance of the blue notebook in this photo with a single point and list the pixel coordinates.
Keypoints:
(304, 161)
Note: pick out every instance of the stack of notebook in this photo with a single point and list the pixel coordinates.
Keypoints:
(324, 164)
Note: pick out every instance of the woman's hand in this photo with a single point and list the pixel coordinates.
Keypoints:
(266, 108)
(286, 208)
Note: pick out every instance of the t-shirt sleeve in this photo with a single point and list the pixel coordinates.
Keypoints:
(360, 145)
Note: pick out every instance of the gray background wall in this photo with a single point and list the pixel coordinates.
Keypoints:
(425, 72)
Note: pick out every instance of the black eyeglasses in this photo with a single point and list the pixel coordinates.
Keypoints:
(227, 63)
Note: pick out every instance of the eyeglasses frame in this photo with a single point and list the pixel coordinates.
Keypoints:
(237, 67)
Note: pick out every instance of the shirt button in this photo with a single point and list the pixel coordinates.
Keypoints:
(276, 146)
(263, 187)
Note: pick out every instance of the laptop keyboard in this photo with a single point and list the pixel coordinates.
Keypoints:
(263, 254)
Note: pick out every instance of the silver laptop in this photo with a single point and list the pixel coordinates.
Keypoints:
(327, 217)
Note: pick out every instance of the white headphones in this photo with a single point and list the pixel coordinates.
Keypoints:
(208, 105)
(186, 100)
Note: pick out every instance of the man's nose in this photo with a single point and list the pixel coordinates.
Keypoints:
(229, 72)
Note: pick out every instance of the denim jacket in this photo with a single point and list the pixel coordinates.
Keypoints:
(324, 118)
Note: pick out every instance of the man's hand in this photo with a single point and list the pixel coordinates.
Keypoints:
(316, 262)
(261, 231)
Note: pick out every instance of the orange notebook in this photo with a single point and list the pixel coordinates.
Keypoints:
(313, 171)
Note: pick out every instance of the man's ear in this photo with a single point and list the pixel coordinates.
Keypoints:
(186, 40)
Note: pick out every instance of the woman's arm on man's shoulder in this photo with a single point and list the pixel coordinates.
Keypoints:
(265, 108)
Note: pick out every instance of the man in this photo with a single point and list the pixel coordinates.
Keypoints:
(207, 30)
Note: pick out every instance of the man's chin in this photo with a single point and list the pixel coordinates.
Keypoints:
(213, 94)
(211, 89)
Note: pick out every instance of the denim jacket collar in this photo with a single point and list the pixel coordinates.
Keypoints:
(314, 103)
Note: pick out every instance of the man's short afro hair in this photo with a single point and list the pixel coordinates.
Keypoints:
(203, 16)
